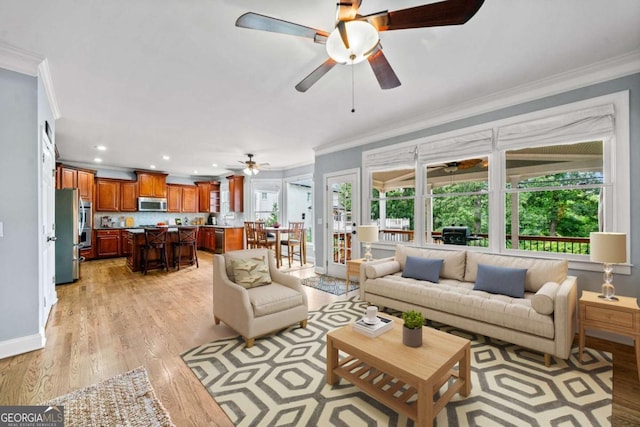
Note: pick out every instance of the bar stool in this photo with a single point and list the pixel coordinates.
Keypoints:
(187, 237)
(155, 239)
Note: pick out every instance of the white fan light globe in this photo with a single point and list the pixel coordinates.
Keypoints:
(363, 38)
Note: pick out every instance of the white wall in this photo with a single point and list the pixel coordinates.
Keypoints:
(19, 301)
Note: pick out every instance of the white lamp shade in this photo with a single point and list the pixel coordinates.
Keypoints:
(610, 248)
(368, 233)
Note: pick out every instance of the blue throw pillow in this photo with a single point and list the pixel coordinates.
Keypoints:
(422, 268)
(501, 280)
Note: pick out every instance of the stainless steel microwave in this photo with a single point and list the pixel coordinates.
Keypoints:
(152, 204)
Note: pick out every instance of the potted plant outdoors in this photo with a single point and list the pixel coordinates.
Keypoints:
(412, 329)
(272, 221)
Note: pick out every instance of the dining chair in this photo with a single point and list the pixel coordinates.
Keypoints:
(250, 238)
(263, 240)
(294, 239)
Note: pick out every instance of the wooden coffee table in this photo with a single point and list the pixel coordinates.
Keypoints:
(382, 366)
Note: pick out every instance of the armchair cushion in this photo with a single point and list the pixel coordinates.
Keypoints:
(251, 272)
(273, 299)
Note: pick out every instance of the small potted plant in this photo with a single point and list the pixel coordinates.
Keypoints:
(412, 329)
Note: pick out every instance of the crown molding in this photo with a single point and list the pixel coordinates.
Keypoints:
(24, 62)
(19, 60)
(598, 72)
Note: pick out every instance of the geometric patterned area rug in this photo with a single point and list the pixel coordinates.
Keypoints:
(124, 400)
(330, 284)
(281, 381)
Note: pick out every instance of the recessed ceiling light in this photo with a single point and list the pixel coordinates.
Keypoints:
(165, 157)
(101, 148)
(195, 172)
(152, 166)
(215, 165)
(97, 160)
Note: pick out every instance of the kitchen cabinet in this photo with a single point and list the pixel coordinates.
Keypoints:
(208, 196)
(182, 198)
(85, 185)
(152, 184)
(174, 198)
(107, 243)
(228, 239)
(236, 193)
(209, 239)
(107, 195)
(68, 177)
(189, 199)
(87, 253)
(128, 196)
(124, 245)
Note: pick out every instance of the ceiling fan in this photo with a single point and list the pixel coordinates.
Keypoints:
(355, 37)
(251, 167)
(451, 167)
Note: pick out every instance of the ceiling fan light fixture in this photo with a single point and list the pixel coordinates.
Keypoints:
(250, 170)
(363, 38)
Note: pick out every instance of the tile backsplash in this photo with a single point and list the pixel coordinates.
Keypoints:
(146, 218)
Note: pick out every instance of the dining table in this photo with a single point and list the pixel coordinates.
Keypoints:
(277, 232)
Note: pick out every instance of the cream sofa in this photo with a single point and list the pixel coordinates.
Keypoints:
(543, 320)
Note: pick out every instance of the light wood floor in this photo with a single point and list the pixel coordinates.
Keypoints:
(112, 321)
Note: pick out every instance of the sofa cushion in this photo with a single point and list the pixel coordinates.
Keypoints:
(459, 298)
(381, 269)
(251, 272)
(247, 253)
(501, 280)
(543, 301)
(453, 261)
(273, 298)
(422, 268)
(539, 271)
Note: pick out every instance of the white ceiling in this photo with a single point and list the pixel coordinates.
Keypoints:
(148, 78)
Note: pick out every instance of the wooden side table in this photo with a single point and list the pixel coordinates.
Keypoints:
(620, 317)
(353, 269)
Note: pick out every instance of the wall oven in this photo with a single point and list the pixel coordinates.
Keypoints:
(86, 222)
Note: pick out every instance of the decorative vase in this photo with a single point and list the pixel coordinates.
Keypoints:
(412, 337)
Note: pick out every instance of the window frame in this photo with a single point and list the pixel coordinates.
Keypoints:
(616, 170)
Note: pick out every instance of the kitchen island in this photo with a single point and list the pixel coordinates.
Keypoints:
(219, 239)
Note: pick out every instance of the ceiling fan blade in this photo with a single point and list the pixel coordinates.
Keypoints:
(256, 21)
(382, 69)
(342, 28)
(448, 12)
(315, 75)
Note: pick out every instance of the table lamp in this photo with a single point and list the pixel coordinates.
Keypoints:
(609, 249)
(368, 234)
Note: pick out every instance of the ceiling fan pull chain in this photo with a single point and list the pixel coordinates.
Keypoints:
(353, 89)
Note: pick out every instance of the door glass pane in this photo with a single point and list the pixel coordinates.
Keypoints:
(342, 222)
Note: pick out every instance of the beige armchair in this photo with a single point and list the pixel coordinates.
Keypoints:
(243, 301)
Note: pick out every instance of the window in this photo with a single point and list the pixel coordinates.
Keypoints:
(393, 195)
(457, 202)
(540, 182)
(553, 197)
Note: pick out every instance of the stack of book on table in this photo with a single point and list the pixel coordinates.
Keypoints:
(372, 328)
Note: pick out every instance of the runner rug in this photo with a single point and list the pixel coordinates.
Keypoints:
(124, 400)
(281, 381)
(333, 285)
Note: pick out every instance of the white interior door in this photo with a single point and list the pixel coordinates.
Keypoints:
(343, 215)
(47, 227)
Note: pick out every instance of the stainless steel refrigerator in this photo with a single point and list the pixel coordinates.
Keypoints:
(67, 228)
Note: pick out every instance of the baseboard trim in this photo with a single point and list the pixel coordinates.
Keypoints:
(21, 345)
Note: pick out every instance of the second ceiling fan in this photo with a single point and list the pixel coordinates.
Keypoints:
(355, 37)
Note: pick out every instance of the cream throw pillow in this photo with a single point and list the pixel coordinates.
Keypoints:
(251, 272)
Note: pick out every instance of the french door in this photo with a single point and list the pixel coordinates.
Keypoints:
(343, 215)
